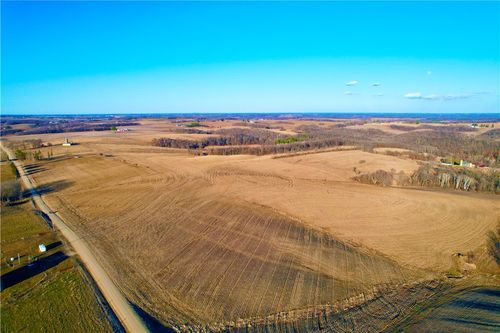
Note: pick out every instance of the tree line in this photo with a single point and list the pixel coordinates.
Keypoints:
(10, 190)
(437, 141)
(43, 126)
(227, 137)
(233, 141)
(427, 175)
(480, 150)
(275, 148)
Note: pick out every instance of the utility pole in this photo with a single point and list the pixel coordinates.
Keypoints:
(18, 259)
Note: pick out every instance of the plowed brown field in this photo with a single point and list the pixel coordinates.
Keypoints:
(213, 239)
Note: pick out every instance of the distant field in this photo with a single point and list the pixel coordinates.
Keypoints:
(59, 298)
(243, 239)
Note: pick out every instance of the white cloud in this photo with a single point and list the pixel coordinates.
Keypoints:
(351, 83)
(455, 96)
(413, 95)
(376, 84)
(348, 92)
(431, 96)
(436, 97)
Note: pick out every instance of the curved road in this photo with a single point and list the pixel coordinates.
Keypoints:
(122, 308)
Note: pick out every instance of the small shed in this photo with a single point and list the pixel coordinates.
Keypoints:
(67, 143)
(466, 164)
(42, 248)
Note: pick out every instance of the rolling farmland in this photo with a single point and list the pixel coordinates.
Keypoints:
(43, 292)
(250, 166)
(216, 241)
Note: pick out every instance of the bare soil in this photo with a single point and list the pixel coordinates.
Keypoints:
(214, 240)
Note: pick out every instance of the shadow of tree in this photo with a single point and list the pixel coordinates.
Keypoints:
(19, 275)
(49, 188)
(31, 169)
(153, 324)
(45, 217)
(53, 245)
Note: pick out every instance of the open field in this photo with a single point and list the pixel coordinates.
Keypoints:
(467, 305)
(250, 166)
(6, 173)
(213, 240)
(57, 299)
(470, 311)
(22, 231)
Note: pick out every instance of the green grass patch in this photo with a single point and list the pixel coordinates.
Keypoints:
(60, 299)
(22, 232)
(57, 300)
(194, 124)
(291, 139)
(7, 171)
(3, 156)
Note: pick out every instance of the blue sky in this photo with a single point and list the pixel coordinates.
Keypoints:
(129, 57)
